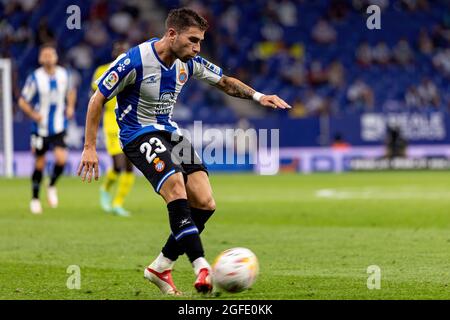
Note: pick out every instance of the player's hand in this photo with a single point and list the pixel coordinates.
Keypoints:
(88, 165)
(274, 101)
(69, 113)
(36, 116)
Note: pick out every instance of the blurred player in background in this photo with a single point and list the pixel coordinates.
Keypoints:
(147, 81)
(122, 168)
(48, 98)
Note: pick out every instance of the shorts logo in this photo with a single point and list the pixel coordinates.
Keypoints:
(182, 77)
(159, 165)
(110, 80)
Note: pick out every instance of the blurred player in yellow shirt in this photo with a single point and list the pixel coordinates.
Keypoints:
(122, 169)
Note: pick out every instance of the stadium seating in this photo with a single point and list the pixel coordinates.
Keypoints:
(387, 82)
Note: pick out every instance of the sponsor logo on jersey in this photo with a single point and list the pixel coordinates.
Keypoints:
(110, 80)
(159, 164)
(162, 109)
(151, 79)
(121, 67)
(182, 77)
(167, 97)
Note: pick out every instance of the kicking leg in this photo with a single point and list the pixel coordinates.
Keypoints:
(202, 205)
(184, 231)
(151, 154)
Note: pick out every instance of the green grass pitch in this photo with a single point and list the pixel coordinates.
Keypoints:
(314, 235)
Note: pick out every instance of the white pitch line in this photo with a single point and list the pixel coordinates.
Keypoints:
(382, 194)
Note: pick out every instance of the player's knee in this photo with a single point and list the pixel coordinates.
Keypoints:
(173, 188)
(128, 166)
(178, 190)
(118, 163)
(206, 203)
(211, 204)
(40, 163)
(60, 161)
(116, 168)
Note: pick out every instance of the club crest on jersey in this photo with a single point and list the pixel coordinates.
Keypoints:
(159, 164)
(110, 80)
(182, 77)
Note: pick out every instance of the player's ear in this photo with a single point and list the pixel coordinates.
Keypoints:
(172, 33)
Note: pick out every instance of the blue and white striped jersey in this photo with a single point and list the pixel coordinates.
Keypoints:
(147, 90)
(47, 94)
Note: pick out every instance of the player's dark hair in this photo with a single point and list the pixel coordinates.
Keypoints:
(183, 18)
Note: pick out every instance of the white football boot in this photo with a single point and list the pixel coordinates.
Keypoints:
(52, 197)
(163, 280)
(203, 283)
(35, 206)
(159, 272)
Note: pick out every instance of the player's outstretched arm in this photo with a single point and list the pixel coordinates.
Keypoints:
(89, 159)
(237, 88)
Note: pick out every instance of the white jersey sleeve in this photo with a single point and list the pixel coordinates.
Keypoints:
(30, 88)
(205, 70)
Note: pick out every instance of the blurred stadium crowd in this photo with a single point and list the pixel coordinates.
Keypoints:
(318, 55)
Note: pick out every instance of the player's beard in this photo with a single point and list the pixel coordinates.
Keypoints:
(184, 58)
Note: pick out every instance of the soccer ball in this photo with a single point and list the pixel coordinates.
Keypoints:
(235, 270)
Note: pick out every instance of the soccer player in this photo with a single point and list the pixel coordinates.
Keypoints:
(147, 80)
(48, 98)
(122, 169)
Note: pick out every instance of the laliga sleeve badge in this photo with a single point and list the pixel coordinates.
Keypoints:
(111, 79)
(159, 164)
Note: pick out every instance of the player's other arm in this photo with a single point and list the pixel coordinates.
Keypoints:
(28, 93)
(108, 86)
(71, 96)
(28, 110)
(71, 99)
(237, 88)
(89, 159)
